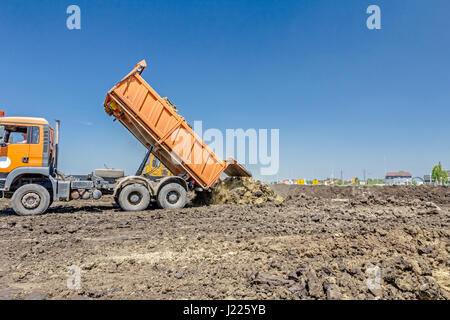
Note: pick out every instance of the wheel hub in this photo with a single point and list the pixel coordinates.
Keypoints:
(173, 197)
(31, 200)
(134, 198)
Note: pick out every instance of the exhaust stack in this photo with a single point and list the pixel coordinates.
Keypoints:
(58, 124)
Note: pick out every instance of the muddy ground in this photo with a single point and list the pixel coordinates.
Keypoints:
(321, 243)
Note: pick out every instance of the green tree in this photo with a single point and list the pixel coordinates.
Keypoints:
(439, 175)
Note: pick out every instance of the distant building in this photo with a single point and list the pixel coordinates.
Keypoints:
(287, 181)
(427, 178)
(398, 178)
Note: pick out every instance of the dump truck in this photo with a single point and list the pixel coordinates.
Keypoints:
(29, 153)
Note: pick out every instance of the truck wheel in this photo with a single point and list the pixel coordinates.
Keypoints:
(30, 200)
(172, 196)
(134, 197)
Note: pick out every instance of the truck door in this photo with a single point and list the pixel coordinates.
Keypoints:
(35, 141)
(15, 152)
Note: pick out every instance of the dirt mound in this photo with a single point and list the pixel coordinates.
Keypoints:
(240, 190)
(360, 266)
(401, 194)
(320, 243)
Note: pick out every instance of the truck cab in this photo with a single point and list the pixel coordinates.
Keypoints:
(27, 157)
(25, 143)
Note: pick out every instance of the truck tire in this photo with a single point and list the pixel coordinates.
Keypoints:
(134, 197)
(172, 196)
(30, 200)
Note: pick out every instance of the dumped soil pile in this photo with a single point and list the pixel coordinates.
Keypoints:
(241, 190)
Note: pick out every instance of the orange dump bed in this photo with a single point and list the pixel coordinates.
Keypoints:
(155, 123)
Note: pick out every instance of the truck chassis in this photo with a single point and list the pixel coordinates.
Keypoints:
(33, 189)
(32, 193)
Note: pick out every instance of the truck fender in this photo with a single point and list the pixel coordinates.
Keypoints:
(130, 180)
(167, 180)
(39, 171)
(16, 173)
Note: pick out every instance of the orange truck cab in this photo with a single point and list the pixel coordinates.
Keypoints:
(27, 156)
(26, 145)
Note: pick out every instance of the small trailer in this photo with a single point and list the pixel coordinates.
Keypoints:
(29, 157)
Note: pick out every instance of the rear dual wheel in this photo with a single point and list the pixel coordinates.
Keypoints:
(172, 196)
(134, 197)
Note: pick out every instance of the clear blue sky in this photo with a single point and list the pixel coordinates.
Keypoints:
(343, 97)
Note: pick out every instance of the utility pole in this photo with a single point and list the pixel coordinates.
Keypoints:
(364, 174)
(342, 177)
